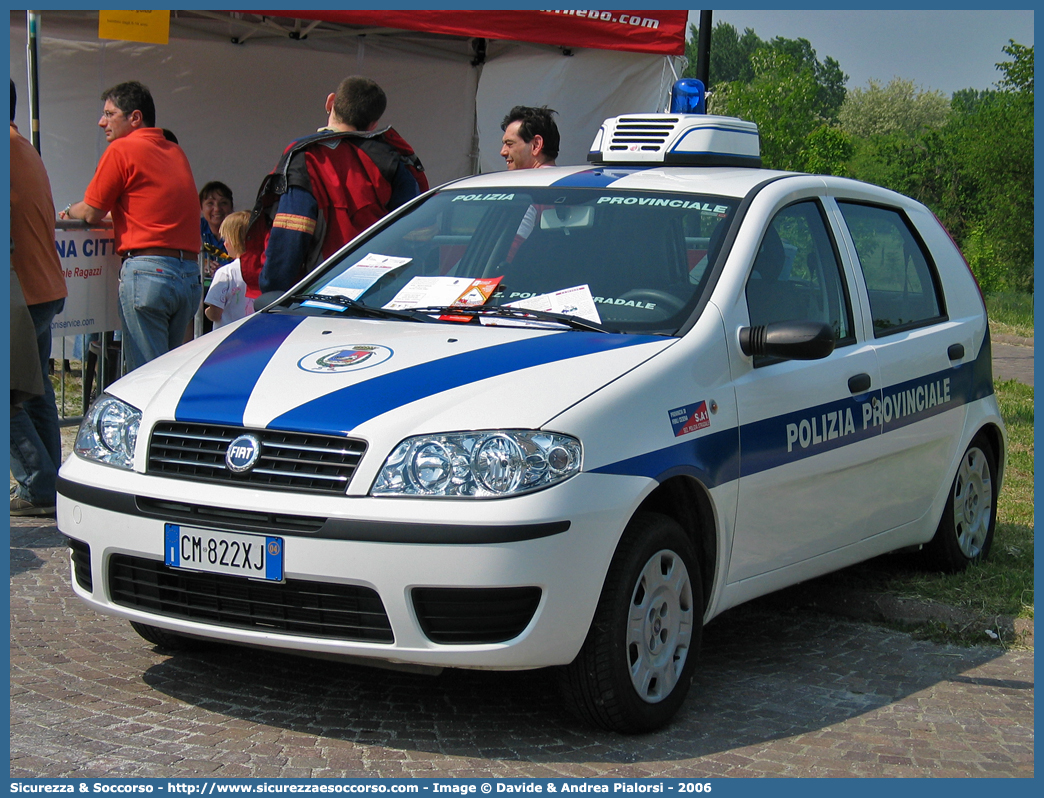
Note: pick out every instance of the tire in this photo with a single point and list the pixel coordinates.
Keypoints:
(966, 529)
(171, 641)
(634, 669)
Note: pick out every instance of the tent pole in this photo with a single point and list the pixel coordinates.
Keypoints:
(32, 60)
(703, 45)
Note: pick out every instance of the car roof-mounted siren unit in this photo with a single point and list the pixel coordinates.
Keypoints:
(685, 136)
(688, 96)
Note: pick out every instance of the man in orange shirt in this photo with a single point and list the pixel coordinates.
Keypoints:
(145, 181)
(36, 443)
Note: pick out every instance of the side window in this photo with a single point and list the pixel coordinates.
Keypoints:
(901, 283)
(796, 276)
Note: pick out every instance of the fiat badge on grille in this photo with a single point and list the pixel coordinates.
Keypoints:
(242, 453)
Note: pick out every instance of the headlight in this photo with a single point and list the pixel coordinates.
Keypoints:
(478, 464)
(109, 432)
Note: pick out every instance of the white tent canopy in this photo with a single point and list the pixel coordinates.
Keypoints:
(234, 107)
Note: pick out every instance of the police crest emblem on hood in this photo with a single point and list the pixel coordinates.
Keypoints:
(336, 359)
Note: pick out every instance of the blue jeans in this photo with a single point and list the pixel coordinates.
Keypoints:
(158, 298)
(36, 441)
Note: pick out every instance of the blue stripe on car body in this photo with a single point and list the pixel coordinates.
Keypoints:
(598, 178)
(776, 441)
(712, 458)
(221, 387)
(341, 411)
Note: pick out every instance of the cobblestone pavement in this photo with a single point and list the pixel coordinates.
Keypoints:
(778, 693)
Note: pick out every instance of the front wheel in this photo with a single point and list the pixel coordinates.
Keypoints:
(965, 532)
(634, 669)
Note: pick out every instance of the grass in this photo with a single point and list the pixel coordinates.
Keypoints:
(1011, 314)
(1003, 585)
(70, 396)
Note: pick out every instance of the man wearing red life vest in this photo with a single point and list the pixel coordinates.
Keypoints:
(336, 185)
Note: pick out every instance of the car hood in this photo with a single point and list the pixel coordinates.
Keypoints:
(359, 377)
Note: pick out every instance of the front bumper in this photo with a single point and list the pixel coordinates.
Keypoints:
(559, 541)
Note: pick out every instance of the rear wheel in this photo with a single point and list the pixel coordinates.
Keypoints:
(634, 669)
(171, 641)
(965, 532)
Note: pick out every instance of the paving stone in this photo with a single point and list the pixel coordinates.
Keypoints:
(779, 692)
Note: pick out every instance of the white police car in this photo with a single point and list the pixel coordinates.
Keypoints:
(555, 417)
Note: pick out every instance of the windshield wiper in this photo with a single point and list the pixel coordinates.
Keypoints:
(359, 307)
(433, 313)
(505, 312)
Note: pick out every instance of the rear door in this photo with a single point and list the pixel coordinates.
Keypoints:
(924, 355)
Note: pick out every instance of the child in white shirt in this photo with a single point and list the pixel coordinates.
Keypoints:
(226, 301)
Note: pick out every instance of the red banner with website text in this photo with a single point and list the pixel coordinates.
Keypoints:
(643, 31)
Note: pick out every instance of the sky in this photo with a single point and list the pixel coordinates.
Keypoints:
(942, 50)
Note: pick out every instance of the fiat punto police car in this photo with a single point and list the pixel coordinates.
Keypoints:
(555, 417)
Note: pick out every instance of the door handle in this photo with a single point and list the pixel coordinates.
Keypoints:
(955, 352)
(860, 383)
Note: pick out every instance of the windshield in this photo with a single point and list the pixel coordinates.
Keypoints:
(625, 261)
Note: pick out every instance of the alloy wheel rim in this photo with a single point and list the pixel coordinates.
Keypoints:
(972, 503)
(660, 626)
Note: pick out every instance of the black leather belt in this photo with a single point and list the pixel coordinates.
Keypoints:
(162, 252)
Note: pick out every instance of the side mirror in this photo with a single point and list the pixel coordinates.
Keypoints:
(789, 340)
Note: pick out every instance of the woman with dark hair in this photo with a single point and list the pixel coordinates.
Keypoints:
(215, 203)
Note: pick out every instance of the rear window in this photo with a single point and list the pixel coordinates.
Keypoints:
(641, 256)
(901, 280)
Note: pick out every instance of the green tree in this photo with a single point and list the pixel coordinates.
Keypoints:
(732, 60)
(975, 171)
(783, 98)
(830, 80)
(897, 106)
(828, 150)
(994, 145)
(730, 53)
(1018, 73)
(967, 101)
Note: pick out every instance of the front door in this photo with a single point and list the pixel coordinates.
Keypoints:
(808, 441)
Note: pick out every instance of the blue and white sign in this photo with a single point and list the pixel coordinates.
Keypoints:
(92, 275)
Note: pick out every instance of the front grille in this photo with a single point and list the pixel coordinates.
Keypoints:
(80, 554)
(311, 609)
(289, 460)
(648, 134)
(461, 615)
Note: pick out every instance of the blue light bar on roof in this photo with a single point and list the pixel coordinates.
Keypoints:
(688, 96)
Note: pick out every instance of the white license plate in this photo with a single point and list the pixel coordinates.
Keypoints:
(232, 553)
